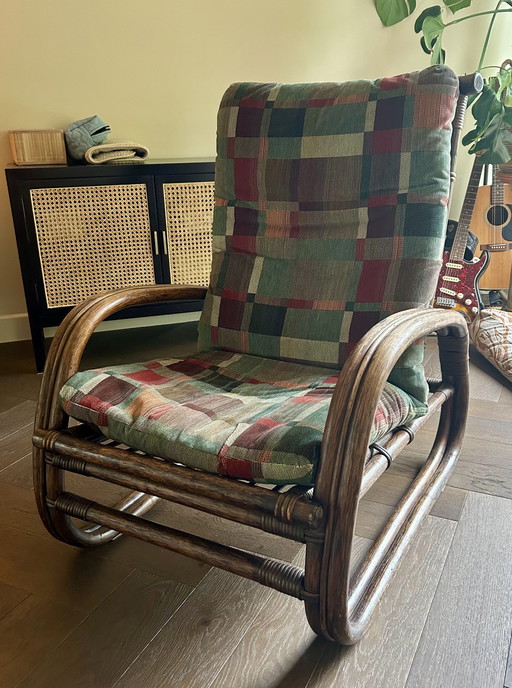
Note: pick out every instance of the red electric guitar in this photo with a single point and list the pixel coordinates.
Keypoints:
(457, 287)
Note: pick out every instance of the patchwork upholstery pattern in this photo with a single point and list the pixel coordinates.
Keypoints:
(227, 413)
(330, 215)
(491, 333)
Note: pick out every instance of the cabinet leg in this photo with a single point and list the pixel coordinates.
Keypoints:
(37, 333)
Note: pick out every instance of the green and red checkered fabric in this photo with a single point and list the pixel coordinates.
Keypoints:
(330, 215)
(228, 413)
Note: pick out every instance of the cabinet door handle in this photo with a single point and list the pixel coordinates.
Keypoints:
(164, 237)
(155, 241)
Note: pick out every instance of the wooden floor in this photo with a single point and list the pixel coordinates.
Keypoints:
(132, 616)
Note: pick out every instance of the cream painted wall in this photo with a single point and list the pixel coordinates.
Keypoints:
(155, 71)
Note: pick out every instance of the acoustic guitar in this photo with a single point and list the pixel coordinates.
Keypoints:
(457, 286)
(492, 223)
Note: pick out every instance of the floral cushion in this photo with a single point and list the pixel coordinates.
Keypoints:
(491, 333)
(227, 413)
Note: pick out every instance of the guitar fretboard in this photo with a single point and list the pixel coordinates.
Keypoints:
(497, 195)
(460, 238)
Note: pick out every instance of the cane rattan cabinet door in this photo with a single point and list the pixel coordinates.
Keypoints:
(86, 229)
(188, 230)
(92, 238)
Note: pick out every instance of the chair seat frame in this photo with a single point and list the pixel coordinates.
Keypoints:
(339, 602)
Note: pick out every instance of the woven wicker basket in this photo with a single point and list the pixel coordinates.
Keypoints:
(38, 147)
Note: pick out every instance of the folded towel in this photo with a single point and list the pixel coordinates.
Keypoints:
(116, 152)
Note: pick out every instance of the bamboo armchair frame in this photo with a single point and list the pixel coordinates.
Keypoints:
(338, 604)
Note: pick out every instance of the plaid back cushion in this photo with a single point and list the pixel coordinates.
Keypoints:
(330, 214)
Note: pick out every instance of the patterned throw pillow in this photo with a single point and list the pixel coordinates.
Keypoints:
(491, 333)
(330, 215)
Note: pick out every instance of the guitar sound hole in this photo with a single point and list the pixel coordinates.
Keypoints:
(497, 215)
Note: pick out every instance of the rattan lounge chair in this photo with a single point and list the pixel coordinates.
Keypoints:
(328, 233)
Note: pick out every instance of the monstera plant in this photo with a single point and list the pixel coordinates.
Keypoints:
(491, 137)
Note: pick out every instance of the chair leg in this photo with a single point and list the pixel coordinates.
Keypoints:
(343, 607)
(49, 483)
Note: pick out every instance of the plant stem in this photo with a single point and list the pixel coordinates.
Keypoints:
(494, 12)
(487, 36)
(477, 14)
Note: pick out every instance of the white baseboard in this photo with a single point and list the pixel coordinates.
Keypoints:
(15, 327)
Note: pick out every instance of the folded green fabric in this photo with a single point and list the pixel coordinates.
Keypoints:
(83, 134)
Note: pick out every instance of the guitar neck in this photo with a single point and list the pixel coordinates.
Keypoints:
(496, 188)
(459, 240)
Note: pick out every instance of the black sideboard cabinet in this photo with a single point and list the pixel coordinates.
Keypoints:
(84, 229)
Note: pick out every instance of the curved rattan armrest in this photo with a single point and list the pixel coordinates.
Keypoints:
(77, 327)
(360, 385)
(344, 451)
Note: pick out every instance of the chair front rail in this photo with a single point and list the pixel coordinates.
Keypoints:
(250, 517)
(136, 504)
(217, 494)
(276, 574)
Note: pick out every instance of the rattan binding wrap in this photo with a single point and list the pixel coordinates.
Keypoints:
(92, 239)
(188, 220)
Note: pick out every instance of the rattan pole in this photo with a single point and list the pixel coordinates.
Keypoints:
(278, 575)
(146, 468)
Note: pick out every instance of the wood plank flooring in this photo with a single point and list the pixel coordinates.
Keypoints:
(466, 637)
(131, 615)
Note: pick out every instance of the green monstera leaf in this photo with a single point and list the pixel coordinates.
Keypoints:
(502, 84)
(393, 11)
(493, 145)
(432, 28)
(488, 105)
(456, 5)
(491, 134)
(430, 24)
(438, 53)
(434, 11)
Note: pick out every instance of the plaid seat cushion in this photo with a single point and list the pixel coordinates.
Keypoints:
(228, 413)
(330, 215)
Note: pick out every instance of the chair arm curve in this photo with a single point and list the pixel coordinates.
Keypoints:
(344, 451)
(77, 327)
(361, 382)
